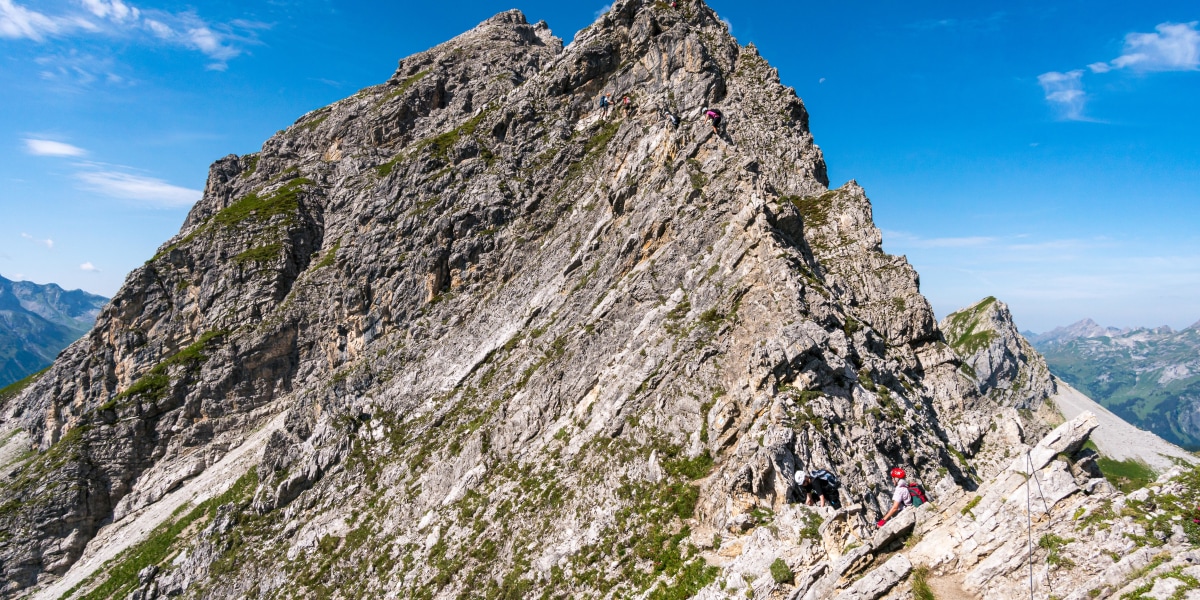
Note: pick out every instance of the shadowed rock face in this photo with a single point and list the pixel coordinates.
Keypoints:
(521, 345)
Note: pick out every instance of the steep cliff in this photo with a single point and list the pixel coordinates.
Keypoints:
(464, 335)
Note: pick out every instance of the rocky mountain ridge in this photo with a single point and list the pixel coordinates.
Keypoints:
(462, 335)
(1086, 328)
(39, 321)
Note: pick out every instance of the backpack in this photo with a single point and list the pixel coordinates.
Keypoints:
(603, 101)
(827, 477)
(917, 493)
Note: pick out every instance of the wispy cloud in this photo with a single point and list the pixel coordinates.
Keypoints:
(146, 190)
(38, 147)
(220, 42)
(603, 11)
(113, 181)
(48, 243)
(914, 241)
(1171, 47)
(1065, 91)
(77, 70)
(113, 9)
(89, 267)
(990, 23)
(1050, 281)
(18, 22)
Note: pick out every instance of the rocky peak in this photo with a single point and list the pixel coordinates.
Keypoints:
(1003, 364)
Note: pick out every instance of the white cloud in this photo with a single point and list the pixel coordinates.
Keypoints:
(16, 21)
(1175, 47)
(603, 11)
(114, 9)
(821, 80)
(158, 28)
(218, 41)
(1065, 90)
(146, 190)
(89, 267)
(48, 243)
(38, 147)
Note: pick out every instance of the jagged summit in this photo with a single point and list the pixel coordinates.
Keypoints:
(463, 334)
(995, 354)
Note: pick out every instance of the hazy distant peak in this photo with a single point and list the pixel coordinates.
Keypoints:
(1086, 328)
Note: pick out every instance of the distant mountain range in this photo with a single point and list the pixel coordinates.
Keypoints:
(37, 322)
(1148, 376)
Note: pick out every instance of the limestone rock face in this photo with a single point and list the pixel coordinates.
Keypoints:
(464, 335)
(995, 354)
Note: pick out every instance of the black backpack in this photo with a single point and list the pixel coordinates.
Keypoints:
(827, 477)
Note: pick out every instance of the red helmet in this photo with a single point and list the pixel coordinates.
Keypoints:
(899, 473)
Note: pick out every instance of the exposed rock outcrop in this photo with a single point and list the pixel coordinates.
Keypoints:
(995, 354)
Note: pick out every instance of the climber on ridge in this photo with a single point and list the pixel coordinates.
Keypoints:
(604, 103)
(714, 116)
(820, 483)
(901, 497)
(674, 120)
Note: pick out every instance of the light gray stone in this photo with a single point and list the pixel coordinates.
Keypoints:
(878, 582)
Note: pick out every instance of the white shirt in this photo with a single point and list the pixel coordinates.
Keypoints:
(902, 495)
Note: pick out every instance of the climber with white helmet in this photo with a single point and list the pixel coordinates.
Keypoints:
(819, 486)
(714, 117)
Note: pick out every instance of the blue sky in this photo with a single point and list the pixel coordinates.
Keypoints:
(1041, 152)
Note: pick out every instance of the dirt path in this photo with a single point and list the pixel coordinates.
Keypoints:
(949, 588)
(115, 538)
(1117, 439)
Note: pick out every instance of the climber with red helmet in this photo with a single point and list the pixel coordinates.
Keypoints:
(901, 498)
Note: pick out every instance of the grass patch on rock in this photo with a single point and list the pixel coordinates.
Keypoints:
(122, 575)
(284, 201)
(153, 385)
(11, 390)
